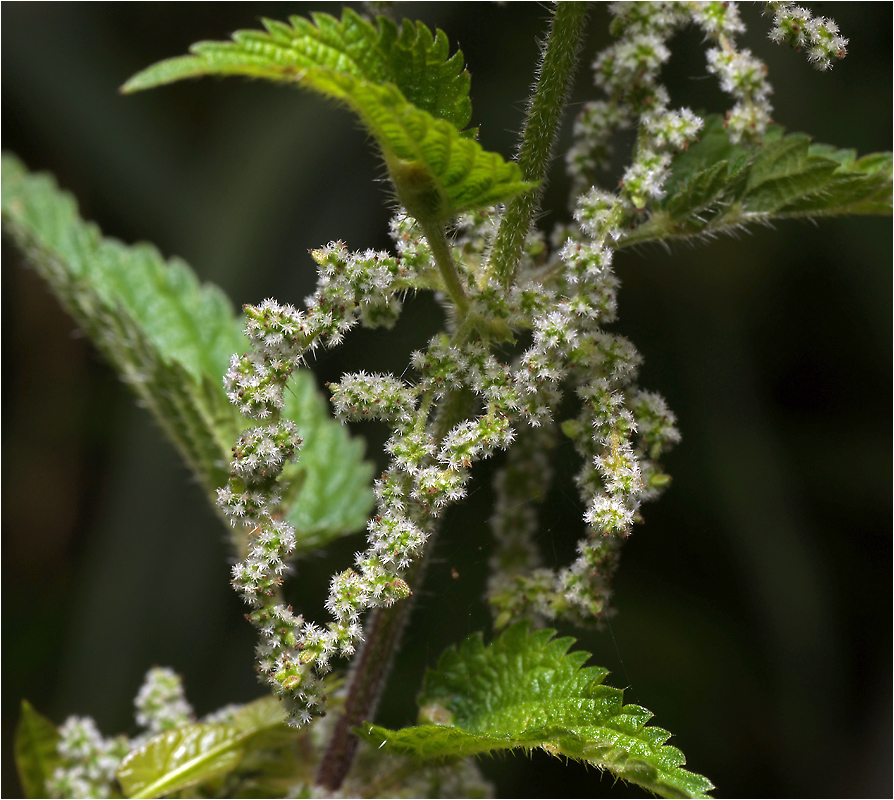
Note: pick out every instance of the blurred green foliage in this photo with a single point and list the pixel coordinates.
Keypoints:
(754, 604)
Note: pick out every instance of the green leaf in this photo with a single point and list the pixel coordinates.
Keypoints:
(166, 336)
(171, 339)
(409, 94)
(718, 186)
(179, 758)
(35, 751)
(196, 753)
(264, 715)
(525, 690)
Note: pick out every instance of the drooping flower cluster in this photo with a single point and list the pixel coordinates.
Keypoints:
(362, 286)
(351, 287)
(256, 383)
(571, 347)
(621, 431)
(564, 302)
(462, 403)
(629, 72)
(429, 471)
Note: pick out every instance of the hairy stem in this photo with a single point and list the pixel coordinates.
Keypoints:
(367, 680)
(541, 126)
(436, 236)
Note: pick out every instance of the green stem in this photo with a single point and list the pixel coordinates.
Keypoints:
(436, 236)
(541, 126)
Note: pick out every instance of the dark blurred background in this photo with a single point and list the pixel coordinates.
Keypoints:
(754, 604)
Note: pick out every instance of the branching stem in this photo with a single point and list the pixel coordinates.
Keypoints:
(383, 635)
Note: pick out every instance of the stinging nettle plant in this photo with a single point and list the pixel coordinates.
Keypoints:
(526, 357)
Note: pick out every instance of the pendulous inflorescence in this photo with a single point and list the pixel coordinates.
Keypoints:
(495, 378)
(351, 287)
(526, 368)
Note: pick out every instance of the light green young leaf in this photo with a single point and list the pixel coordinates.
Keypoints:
(35, 751)
(179, 758)
(196, 753)
(411, 96)
(171, 339)
(525, 690)
(718, 186)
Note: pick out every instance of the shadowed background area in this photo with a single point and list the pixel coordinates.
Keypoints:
(754, 604)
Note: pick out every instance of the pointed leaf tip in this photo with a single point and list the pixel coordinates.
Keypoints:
(408, 92)
(35, 751)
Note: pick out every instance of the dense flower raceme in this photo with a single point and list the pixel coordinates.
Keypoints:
(351, 286)
(794, 25)
(560, 303)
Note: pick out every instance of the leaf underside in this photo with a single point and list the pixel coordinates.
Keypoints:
(409, 93)
(718, 186)
(171, 339)
(525, 690)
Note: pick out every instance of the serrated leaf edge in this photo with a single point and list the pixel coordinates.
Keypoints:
(602, 751)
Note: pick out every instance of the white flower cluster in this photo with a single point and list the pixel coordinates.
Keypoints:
(427, 474)
(619, 430)
(795, 26)
(466, 403)
(564, 303)
(379, 397)
(89, 762)
(161, 703)
(744, 77)
(430, 457)
(351, 287)
(629, 72)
